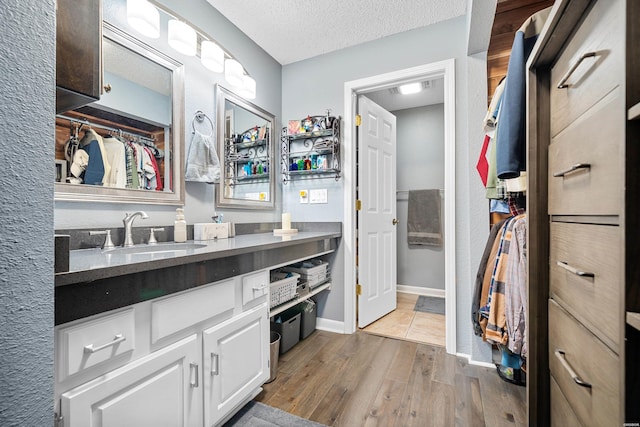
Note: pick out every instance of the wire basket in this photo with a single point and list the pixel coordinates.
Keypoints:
(312, 275)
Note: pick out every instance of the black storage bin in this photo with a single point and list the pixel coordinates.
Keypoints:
(289, 329)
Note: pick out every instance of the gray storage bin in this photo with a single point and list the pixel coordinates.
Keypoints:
(289, 330)
(308, 311)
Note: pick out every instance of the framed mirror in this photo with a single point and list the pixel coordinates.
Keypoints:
(140, 117)
(246, 149)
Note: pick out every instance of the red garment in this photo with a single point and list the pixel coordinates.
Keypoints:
(483, 165)
(156, 168)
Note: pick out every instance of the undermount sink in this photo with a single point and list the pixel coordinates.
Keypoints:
(155, 248)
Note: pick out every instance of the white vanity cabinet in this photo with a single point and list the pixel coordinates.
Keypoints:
(188, 359)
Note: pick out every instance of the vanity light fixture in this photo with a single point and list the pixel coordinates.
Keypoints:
(233, 72)
(182, 37)
(212, 56)
(144, 18)
(248, 88)
(410, 88)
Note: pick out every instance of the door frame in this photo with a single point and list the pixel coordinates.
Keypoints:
(352, 89)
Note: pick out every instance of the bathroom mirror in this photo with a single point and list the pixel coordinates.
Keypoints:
(246, 150)
(142, 108)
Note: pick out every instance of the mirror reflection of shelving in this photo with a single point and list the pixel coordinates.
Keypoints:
(247, 156)
(311, 149)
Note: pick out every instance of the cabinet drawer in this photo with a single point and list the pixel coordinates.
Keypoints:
(177, 312)
(586, 162)
(561, 413)
(95, 341)
(574, 348)
(254, 286)
(602, 33)
(579, 249)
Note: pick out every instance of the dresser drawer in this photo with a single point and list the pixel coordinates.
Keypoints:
(254, 286)
(586, 162)
(95, 341)
(561, 413)
(577, 355)
(576, 252)
(177, 312)
(602, 33)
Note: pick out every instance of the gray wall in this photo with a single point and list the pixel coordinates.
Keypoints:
(312, 86)
(199, 95)
(27, 97)
(420, 165)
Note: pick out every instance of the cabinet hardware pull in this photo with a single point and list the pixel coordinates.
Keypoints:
(117, 339)
(574, 270)
(562, 83)
(395, 221)
(214, 364)
(561, 357)
(573, 168)
(196, 383)
(107, 88)
(259, 288)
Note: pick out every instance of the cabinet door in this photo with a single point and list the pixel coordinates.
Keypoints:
(161, 389)
(236, 362)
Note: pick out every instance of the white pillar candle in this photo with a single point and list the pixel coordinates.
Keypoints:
(286, 221)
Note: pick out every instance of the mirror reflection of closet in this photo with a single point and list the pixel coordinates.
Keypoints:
(246, 149)
(141, 114)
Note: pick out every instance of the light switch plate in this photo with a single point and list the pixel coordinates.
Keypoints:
(318, 196)
(304, 196)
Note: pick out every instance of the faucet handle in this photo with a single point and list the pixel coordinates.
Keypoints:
(152, 236)
(108, 243)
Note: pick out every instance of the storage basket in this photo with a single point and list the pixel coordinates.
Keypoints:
(312, 275)
(282, 288)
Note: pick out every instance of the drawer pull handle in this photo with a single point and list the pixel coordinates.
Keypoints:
(193, 383)
(561, 356)
(563, 82)
(260, 288)
(573, 168)
(214, 364)
(574, 270)
(117, 339)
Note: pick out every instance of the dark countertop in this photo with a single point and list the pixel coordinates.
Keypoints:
(98, 281)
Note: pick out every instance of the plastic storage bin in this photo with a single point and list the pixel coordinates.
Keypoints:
(282, 288)
(308, 314)
(313, 272)
(289, 330)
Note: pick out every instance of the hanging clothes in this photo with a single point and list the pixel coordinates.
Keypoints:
(516, 289)
(114, 149)
(89, 136)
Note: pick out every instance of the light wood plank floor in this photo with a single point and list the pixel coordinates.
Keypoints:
(368, 380)
(407, 324)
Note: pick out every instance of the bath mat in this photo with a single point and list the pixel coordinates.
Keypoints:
(429, 305)
(256, 414)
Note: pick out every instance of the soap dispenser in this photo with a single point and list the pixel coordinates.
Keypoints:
(180, 227)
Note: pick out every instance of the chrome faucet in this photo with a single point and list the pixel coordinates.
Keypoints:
(128, 221)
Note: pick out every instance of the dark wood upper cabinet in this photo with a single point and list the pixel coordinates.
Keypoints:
(78, 53)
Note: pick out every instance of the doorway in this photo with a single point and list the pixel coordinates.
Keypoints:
(445, 70)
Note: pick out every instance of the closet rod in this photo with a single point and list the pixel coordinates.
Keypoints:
(104, 127)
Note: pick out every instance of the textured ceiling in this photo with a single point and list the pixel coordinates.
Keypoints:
(293, 30)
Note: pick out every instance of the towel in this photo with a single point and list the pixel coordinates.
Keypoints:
(203, 164)
(424, 225)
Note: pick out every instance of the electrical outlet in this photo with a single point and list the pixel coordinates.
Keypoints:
(304, 196)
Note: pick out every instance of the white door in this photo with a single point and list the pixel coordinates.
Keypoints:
(161, 389)
(236, 362)
(377, 263)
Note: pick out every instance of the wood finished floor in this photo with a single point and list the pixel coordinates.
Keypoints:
(407, 324)
(368, 380)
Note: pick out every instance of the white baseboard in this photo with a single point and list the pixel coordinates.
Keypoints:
(476, 362)
(417, 290)
(330, 325)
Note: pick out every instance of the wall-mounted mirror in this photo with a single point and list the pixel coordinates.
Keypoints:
(245, 145)
(139, 117)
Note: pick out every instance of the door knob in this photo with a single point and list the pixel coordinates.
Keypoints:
(395, 221)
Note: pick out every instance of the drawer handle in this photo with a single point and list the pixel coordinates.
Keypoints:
(563, 83)
(561, 356)
(573, 168)
(214, 364)
(117, 339)
(574, 270)
(193, 383)
(260, 288)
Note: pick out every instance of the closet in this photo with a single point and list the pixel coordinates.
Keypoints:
(584, 275)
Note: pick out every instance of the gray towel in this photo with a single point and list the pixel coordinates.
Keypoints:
(424, 225)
